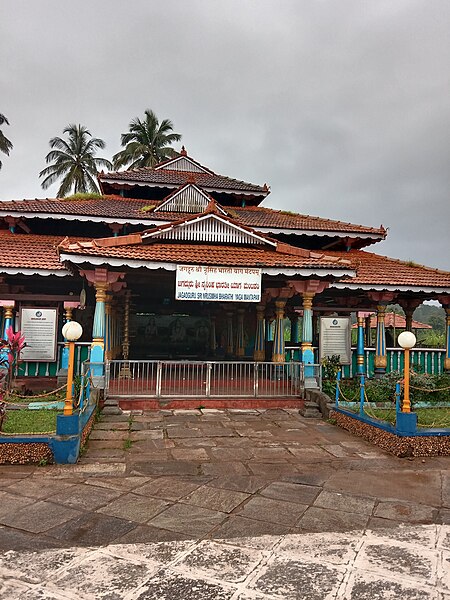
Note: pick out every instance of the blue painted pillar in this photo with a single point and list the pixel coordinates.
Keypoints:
(307, 331)
(294, 329)
(278, 354)
(108, 328)
(380, 346)
(259, 352)
(360, 346)
(98, 330)
(8, 317)
(8, 321)
(447, 348)
(269, 329)
(240, 343)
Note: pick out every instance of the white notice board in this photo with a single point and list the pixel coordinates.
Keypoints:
(39, 326)
(218, 284)
(335, 338)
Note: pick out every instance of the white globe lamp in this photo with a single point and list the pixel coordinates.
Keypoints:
(407, 340)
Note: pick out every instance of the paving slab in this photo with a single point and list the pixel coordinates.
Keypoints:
(261, 513)
(291, 492)
(406, 512)
(216, 498)
(346, 503)
(135, 508)
(190, 520)
(274, 511)
(321, 519)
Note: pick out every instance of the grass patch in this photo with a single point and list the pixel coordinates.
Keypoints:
(81, 196)
(30, 421)
(127, 444)
(426, 417)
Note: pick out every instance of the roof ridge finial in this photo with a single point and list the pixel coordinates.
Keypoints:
(183, 151)
(211, 207)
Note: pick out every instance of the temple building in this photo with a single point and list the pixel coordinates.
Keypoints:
(177, 263)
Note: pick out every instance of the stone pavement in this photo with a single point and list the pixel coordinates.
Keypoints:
(226, 504)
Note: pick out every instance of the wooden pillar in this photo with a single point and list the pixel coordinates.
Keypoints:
(108, 327)
(230, 341)
(368, 331)
(259, 352)
(212, 335)
(447, 345)
(278, 354)
(240, 343)
(380, 346)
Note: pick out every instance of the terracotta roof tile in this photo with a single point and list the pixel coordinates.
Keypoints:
(116, 207)
(28, 251)
(206, 254)
(391, 320)
(171, 178)
(260, 216)
(381, 270)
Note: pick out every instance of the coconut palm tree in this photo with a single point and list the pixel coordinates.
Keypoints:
(74, 160)
(5, 144)
(147, 143)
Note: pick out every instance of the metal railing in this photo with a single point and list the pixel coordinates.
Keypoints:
(153, 378)
(50, 369)
(423, 360)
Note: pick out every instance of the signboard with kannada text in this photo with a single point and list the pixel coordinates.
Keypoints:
(218, 284)
(335, 338)
(39, 326)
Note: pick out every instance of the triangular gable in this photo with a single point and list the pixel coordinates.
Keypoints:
(209, 229)
(182, 163)
(188, 199)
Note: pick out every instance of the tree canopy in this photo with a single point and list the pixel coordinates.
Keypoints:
(73, 159)
(147, 143)
(5, 144)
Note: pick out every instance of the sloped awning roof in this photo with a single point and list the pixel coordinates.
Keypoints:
(381, 273)
(115, 209)
(391, 321)
(178, 171)
(134, 252)
(30, 254)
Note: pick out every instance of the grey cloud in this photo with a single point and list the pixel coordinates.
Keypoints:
(342, 107)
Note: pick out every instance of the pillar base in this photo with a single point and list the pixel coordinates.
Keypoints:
(406, 423)
(379, 372)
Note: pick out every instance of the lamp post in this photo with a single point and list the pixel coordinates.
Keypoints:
(406, 340)
(72, 332)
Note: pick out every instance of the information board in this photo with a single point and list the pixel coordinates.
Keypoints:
(218, 284)
(39, 327)
(335, 338)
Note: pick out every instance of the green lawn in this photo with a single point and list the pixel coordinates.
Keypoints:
(426, 417)
(30, 421)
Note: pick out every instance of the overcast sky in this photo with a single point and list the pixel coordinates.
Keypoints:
(342, 107)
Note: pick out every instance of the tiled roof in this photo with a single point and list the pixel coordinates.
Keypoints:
(161, 177)
(207, 254)
(392, 320)
(259, 216)
(28, 251)
(374, 269)
(115, 207)
(109, 207)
